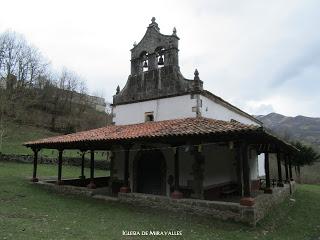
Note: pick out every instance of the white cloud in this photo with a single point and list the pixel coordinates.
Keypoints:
(258, 55)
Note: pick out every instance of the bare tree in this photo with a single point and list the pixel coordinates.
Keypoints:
(3, 101)
(32, 93)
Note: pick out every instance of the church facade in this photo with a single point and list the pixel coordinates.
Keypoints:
(156, 91)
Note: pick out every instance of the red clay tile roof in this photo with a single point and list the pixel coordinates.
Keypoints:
(167, 128)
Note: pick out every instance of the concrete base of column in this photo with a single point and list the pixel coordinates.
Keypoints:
(91, 185)
(34, 180)
(125, 189)
(268, 190)
(176, 194)
(59, 182)
(247, 201)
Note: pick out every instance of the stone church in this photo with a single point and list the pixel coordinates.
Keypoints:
(156, 91)
(173, 139)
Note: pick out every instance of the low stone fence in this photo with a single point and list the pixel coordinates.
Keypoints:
(215, 209)
(65, 189)
(265, 202)
(74, 161)
(77, 182)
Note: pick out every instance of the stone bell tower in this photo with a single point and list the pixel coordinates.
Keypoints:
(155, 50)
(155, 71)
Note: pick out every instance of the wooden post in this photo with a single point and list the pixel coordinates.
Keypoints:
(82, 176)
(267, 171)
(280, 183)
(239, 170)
(126, 188)
(246, 200)
(286, 168)
(60, 167)
(176, 194)
(91, 185)
(126, 168)
(35, 164)
(198, 172)
(290, 169)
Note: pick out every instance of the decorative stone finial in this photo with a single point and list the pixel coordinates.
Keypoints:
(196, 75)
(118, 90)
(153, 24)
(174, 31)
(134, 44)
(197, 83)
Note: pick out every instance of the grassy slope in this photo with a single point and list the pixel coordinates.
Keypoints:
(27, 212)
(16, 135)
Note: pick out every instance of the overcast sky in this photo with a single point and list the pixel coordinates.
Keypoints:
(262, 56)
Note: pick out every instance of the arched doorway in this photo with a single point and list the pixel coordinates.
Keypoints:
(150, 172)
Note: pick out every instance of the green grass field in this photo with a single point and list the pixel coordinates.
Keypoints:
(28, 212)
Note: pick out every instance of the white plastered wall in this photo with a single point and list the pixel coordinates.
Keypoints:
(220, 166)
(212, 109)
(163, 109)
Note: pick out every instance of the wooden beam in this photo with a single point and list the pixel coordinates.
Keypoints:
(126, 167)
(176, 169)
(82, 176)
(246, 170)
(286, 168)
(126, 188)
(267, 172)
(92, 184)
(290, 168)
(239, 168)
(247, 199)
(280, 181)
(176, 194)
(59, 182)
(35, 164)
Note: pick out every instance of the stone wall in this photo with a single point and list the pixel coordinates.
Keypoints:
(65, 189)
(42, 160)
(265, 202)
(216, 209)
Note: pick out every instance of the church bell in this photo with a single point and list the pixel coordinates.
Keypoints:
(160, 62)
(145, 64)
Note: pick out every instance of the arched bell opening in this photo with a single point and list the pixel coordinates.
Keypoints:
(144, 61)
(160, 56)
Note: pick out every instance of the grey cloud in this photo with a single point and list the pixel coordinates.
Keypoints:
(296, 66)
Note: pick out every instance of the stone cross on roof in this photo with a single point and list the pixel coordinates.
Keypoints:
(154, 24)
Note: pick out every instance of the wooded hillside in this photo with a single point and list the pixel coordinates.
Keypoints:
(31, 93)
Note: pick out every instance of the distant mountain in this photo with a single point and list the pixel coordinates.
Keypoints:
(301, 128)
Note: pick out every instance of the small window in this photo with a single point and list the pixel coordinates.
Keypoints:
(148, 117)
